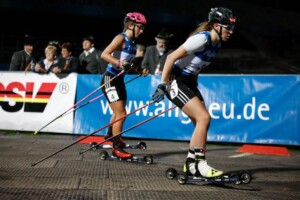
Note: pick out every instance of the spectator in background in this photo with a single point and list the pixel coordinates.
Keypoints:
(55, 43)
(23, 60)
(67, 62)
(139, 56)
(156, 55)
(50, 62)
(90, 60)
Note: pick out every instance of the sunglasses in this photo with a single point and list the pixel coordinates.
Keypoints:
(227, 27)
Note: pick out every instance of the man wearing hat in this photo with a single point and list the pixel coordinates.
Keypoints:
(23, 60)
(156, 55)
(90, 61)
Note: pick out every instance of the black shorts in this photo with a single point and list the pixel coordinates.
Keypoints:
(182, 89)
(114, 90)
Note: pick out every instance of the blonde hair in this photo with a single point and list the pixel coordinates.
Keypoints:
(51, 49)
(204, 26)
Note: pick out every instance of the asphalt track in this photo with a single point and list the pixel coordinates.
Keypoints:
(69, 175)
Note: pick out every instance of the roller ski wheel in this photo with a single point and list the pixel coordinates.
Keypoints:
(139, 145)
(145, 159)
(103, 155)
(93, 145)
(182, 178)
(171, 173)
(245, 177)
(148, 159)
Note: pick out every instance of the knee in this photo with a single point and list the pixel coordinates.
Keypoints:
(207, 119)
(121, 114)
(204, 118)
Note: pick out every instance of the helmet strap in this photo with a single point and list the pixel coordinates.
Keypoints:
(219, 33)
(133, 35)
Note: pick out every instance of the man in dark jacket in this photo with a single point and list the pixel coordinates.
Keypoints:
(90, 61)
(156, 55)
(23, 60)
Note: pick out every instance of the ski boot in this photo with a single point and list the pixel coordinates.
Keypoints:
(189, 167)
(204, 170)
(199, 167)
(118, 149)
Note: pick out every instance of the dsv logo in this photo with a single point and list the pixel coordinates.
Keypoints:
(16, 95)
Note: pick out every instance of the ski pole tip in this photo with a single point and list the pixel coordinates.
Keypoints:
(33, 164)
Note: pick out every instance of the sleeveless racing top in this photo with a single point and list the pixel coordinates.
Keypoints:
(124, 55)
(200, 53)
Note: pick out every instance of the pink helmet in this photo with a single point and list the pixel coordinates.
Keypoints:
(136, 17)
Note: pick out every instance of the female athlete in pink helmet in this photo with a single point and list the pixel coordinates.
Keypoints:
(120, 54)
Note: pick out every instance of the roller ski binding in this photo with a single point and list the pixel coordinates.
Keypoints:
(237, 178)
(145, 159)
(139, 145)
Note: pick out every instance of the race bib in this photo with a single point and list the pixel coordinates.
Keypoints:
(173, 89)
(112, 94)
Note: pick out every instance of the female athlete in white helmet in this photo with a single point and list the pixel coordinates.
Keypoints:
(179, 82)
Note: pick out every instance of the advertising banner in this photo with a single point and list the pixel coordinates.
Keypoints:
(29, 101)
(244, 109)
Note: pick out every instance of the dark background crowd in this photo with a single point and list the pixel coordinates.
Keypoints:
(265, 41)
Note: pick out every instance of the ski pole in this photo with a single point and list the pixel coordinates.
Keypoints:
(93, 133)
(36, 132)
(96, 98)
(86, 103)
(138, 124)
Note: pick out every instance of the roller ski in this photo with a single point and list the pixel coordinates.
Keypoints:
(118, 153)
(197, 170)
(237, 178)
(145, 159)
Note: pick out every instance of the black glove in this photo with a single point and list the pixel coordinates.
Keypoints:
(143, 72)
(125, 66)
(135, 62)
(159, 92)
